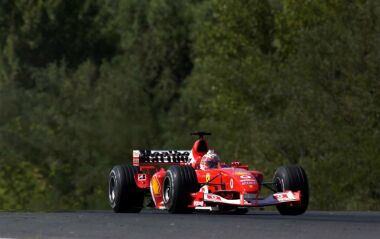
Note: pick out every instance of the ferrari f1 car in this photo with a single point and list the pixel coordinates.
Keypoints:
(179, 187)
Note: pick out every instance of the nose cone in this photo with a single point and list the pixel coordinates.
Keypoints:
(247, 181)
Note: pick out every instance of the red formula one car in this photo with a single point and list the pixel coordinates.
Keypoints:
(184, 187)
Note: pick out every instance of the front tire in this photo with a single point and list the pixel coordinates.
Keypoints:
(179, 183)
(123, 193)
(292, 178)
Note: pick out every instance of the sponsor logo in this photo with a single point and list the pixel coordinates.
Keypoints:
(136, 153)
(208, 177)
(246, 182)
(245, 176)
(141, 177)
(198, 203)
(155, 185)
(284, 197)
(231, 183)
(214, 197)
(162, 156)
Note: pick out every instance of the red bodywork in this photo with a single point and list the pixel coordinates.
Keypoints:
(232, 185)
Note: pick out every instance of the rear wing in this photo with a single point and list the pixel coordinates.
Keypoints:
(160, 157)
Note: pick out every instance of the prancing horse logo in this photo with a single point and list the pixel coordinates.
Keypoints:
(208, 177)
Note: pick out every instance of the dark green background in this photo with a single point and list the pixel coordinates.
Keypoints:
(82, 83)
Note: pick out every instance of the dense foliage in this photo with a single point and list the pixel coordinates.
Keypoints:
(278, 82)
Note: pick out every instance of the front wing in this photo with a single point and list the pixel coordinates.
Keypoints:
(202, 199)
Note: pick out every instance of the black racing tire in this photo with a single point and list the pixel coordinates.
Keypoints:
(123, 193)
(292, 178)
(179, 183)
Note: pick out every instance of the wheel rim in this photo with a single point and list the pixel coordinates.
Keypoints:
(167, 191)
(111, 192)
(279, 184)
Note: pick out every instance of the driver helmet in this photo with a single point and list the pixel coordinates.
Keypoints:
(210, 160)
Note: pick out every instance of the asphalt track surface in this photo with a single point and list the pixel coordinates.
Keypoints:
(159, 224)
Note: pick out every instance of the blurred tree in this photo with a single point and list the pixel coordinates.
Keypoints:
(37, 33)
(303, 95)
(331, 78)
(156, 49)
(82, 83)
(233, 50)
(48, 111)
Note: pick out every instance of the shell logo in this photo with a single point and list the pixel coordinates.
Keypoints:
(156, 188)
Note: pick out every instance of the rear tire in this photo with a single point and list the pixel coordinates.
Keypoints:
(123, 193)
(292, 178)
(179, 183)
